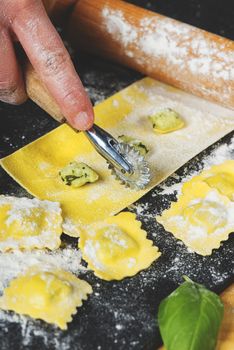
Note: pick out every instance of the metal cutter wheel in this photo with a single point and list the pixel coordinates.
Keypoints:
(126, 164)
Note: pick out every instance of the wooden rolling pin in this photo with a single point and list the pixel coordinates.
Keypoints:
(171, 51)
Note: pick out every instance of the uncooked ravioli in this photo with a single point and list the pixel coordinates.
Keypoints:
(203, 216)
(29, 223)
(117, 247)
(49, 295)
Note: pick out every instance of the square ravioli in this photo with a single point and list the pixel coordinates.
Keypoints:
(117, 247)
(29, 223)
(52, 296)
(202, 217)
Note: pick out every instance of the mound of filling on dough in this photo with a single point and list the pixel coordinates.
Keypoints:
(136, 144)
(166, 120)
(77, 174)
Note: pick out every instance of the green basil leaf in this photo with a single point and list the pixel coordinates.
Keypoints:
(190, 317)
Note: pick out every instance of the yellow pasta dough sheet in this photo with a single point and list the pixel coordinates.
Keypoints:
(36, 166)
(52, 296)
(117, 247)
(203, 216)
(29, 223)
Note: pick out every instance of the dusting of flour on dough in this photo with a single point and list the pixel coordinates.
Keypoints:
(23, 210)
(217, 156)
(15, 263)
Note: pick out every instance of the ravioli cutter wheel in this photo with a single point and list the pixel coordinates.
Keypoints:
(126, 163)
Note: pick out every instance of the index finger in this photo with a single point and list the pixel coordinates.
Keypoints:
(53, 64)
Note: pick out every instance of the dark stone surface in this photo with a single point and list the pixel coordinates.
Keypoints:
(122, 315)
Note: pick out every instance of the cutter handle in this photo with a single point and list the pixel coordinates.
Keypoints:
(37, 91)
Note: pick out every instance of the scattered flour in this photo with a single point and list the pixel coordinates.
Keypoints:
(115, 103)
(91, 250)
(217, 156)
(70, 228)
(113, 234)
(14, 263)
(103, 84)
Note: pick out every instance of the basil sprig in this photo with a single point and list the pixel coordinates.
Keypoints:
(190, 317)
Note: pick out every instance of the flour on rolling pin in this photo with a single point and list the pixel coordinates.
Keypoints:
(163, 39)
(171, 51)
(166, 39)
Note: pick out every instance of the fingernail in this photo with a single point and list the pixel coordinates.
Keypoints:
(82, 121)
(16, 98)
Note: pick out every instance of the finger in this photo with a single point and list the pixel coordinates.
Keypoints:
(11, 82)
(52, 62)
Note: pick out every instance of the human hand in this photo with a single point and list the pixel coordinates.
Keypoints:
(27, 22)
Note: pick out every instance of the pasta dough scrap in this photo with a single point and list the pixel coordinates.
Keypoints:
(36, 166)
(51, 296)
(219, 176)
(202, 217)
(29, 223)
(117, 247)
